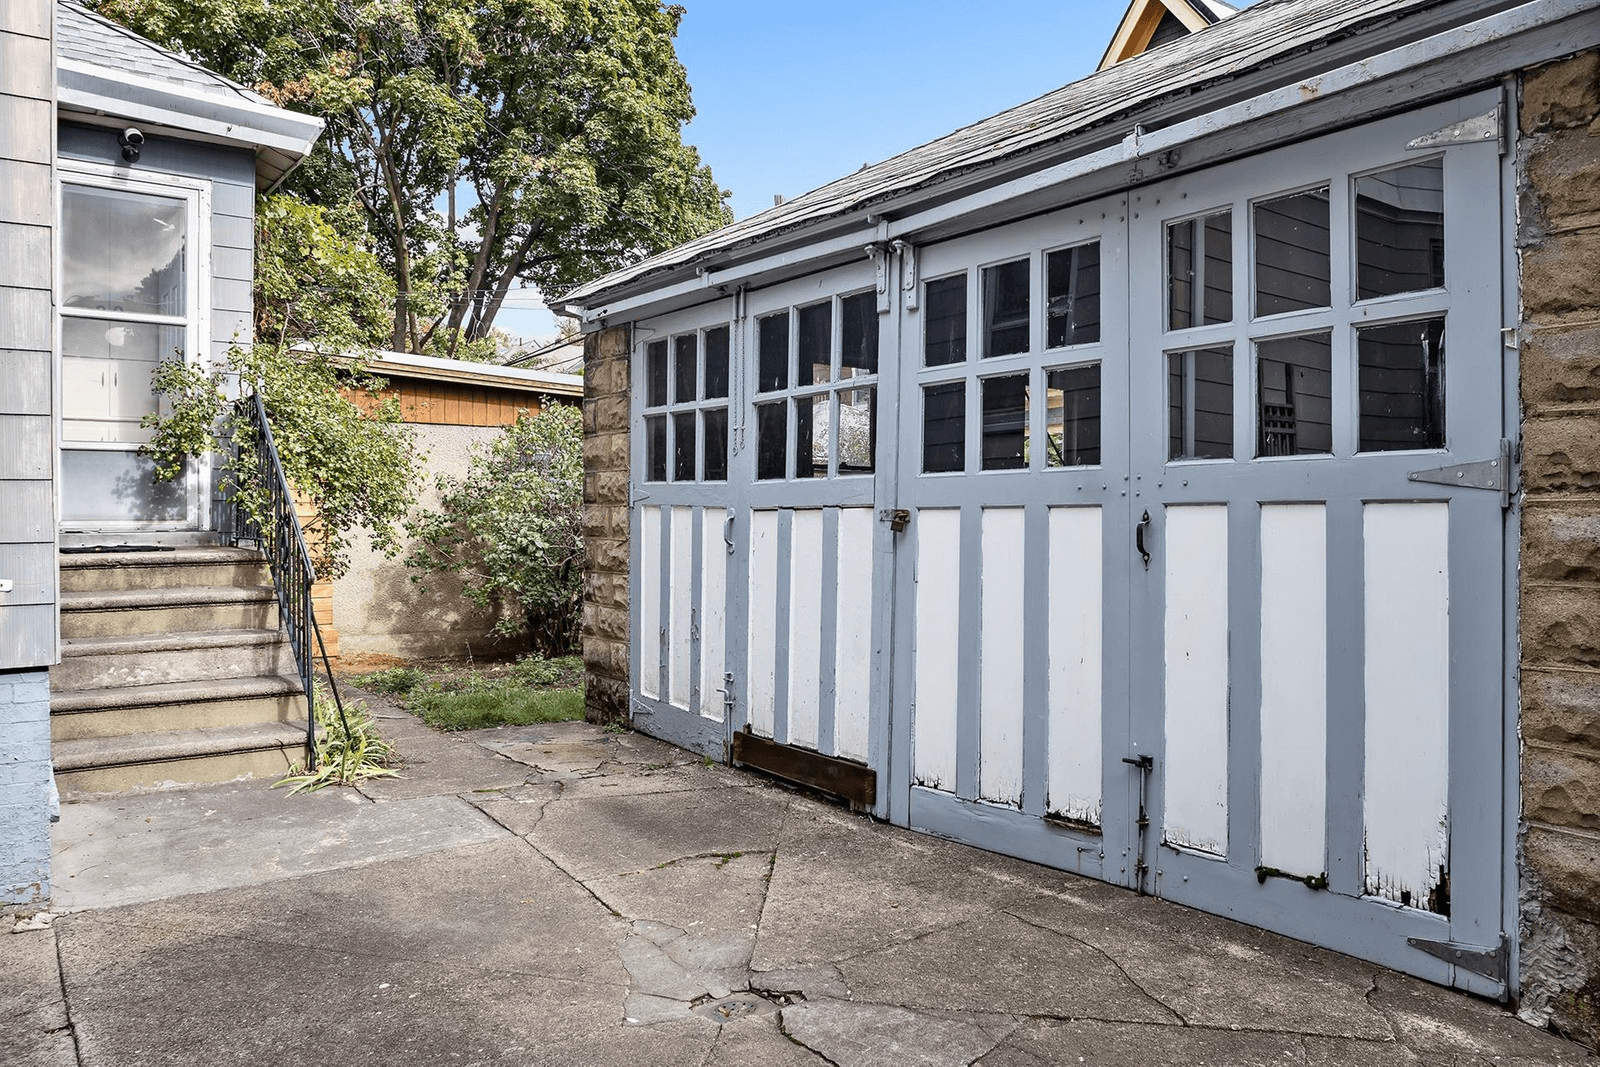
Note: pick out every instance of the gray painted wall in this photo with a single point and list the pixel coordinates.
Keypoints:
(28, 630)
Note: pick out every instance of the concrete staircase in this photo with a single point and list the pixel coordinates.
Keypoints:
(173, 669)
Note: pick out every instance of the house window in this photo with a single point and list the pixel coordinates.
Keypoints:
(825, 424)
(126, 304)
(686, 407)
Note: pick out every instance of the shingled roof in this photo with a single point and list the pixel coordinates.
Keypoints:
(1257, 38)
(103, 69)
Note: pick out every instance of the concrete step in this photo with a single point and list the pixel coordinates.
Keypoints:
(168, 609)
(155, 659)
(208, 754)
(175, 706)
(83, 572)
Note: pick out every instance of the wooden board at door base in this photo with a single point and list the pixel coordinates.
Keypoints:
(844, 779)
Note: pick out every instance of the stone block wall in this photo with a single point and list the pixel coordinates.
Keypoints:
(1558, 238)
(605, 524)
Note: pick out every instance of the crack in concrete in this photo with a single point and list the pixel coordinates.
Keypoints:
(66, 1002)
(783, 1028)
(1388, 1020)
(1157, 1001)
(725, 857)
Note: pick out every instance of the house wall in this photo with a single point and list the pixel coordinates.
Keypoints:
(28, 630)
(605, 524)
(1559, 244)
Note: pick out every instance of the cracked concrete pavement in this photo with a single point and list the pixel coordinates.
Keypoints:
(563, 895)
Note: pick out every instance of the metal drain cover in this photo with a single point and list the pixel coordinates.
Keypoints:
(737, 1006)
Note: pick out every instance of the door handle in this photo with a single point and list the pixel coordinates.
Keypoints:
(1138, 538)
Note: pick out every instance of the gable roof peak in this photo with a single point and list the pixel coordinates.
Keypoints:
(1150, 23)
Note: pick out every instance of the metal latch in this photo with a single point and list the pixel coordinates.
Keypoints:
(6, 585)
(1491, 474)
(897, 518)
(1489, 962)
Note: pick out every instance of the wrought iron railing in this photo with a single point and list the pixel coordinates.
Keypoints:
(275, 528)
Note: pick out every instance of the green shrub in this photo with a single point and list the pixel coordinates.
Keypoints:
(342, 759)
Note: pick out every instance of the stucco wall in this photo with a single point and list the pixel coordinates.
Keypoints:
(379, 610)
(605, 525)
(1559, 249)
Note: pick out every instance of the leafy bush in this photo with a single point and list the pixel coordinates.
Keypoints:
(537, 671)
(319, 301)
(512, 528)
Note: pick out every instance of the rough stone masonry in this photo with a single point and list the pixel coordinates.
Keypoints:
(605, 525)
(1558, 239)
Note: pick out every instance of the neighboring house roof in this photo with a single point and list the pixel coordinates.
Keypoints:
(430, 368)
(1150, 23)
(105, 70)
(1267, 59)
(562, 352)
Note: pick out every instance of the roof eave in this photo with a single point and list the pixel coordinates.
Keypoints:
(281, 137)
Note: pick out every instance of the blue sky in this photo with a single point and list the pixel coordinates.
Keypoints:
(793, 95)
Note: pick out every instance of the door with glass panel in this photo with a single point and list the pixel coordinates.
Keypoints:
(131, 288)
(818, 562)
(683, 548)
(1316, 613)
(1011, 632)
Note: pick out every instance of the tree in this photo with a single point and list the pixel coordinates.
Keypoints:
(485, 143)
(512, 527)
(318, 300)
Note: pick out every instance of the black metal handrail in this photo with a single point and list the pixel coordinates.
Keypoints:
(283, 542)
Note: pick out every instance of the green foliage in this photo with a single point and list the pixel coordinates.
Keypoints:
(536, 670)
(319, 300)
(481, 145)
(396, 681)
(512, 528)
(502, 704)
(343, 759)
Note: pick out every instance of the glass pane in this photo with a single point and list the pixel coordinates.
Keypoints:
(1005, 422)
(1005, 309)
(816, 339)
(1072, 416)
(1072, 309)
(811, 436)
(1294, 390)
(1292, 270)
(683, 449)
(716, 362)
(123, 251)
(655, 448)
(772, 438)
(684, 369)
(1400, 230)
(716, 442)
(945, 312)
(1200, 260)
(106, 370)
(110, 485)
(655, 374)
(1200, 404)
(1402, 386)
(858, 335)
(858, 430)
(773, 344)
(944, 427)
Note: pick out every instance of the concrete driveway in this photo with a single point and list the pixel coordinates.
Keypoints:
(561, 895)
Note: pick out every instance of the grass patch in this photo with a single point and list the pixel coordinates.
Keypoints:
(477, 709)
(470, 697)
(341, 759)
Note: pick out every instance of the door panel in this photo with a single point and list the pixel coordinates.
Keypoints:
(1233, 610)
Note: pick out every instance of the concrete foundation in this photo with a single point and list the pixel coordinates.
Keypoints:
(27, 790)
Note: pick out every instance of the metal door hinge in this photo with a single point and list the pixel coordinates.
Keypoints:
(1489, 126)
(1491, 474)
(1490, 962)
(897, 518)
